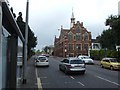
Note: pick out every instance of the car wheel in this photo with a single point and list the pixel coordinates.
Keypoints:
(60, 69)
(111, 68)
(66, 72)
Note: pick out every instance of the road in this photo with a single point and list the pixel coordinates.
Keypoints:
(95, 77)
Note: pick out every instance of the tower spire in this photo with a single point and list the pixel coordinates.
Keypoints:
(72, 13)
(72, 19)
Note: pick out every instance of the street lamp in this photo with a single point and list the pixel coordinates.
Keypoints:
(65, 52)
(25, 45)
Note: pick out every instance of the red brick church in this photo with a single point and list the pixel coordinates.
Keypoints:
(73, 41)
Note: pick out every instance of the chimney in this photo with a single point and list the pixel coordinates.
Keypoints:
(81, 23)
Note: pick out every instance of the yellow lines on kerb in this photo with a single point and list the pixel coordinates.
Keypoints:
(38, 81)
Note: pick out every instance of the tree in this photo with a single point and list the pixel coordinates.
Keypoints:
(32, 40)
(107, 39)
(114, 23)
(48, 49)
(111, 37)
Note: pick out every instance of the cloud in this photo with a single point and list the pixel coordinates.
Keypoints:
(46, 16)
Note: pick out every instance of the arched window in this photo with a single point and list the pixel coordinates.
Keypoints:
(78, 30)
(70, 36)
(86, 36)
(78, 37)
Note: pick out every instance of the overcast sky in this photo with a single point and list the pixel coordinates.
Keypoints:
(47, 16)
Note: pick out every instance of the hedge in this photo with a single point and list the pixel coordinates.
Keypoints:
(99, 54)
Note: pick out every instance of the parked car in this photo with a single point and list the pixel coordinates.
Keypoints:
(41, 61)
(86, 59)
(19, 61)
(111, 63)
(72, 65)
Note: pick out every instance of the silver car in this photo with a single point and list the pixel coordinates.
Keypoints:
(72, 65)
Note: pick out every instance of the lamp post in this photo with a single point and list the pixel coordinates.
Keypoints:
(25, 45)
(65, 52)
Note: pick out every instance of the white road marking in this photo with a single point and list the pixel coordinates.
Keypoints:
(68, 82)
(42, 77)
(36, 72)
(81, 83)
(38, 81)
(39, 84)
(72, 77)
(108, 80)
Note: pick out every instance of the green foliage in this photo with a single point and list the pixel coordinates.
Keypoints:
(111, 37)
(99, 54)
(32, 40)
(38, 52)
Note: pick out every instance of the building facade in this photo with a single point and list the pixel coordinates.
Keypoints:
(74, 41)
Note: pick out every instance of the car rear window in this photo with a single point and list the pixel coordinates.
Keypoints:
(76, 62)
(41, 58)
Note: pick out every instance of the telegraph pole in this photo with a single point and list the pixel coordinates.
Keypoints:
(25, 44)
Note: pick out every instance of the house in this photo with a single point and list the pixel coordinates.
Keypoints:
(73, 41)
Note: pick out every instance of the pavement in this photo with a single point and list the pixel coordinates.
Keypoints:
(31, 81)
(31, 75)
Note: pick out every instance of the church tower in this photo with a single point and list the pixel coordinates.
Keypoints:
(72, 20)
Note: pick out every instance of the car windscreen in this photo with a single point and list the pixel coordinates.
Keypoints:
(114, 60)
(85, 57)
(76, 62)
(41, 58)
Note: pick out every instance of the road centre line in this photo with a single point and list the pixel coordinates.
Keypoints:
(36, 73)
(38, 81)
(108, 80)
(72, 77)
(39, 84)
(81, 83)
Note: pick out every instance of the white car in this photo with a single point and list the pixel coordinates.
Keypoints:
(86, 59)
(41, 61)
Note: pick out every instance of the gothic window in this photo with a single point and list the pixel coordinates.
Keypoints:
(86, 36)
(70, 47)
(70, 36)
(78, 47)
(78, 30)
(85, 46)
(78, 37)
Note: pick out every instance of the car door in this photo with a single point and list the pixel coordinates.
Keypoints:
(103, 62)
(107, 63)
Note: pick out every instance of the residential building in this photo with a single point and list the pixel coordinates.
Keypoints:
(73, 41)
